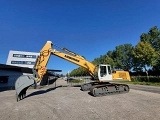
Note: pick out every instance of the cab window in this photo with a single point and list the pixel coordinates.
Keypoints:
(103, 71)
(109, 70)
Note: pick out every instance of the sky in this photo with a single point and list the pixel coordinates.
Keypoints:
(87, 27)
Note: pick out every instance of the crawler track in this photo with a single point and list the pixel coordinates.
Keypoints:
(108, 89)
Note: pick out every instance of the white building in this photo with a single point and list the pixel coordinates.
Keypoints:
(21, 58)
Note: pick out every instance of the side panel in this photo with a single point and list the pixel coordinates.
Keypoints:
(121, 75)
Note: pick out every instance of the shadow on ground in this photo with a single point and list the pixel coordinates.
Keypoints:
(42, 91)
(48, 90)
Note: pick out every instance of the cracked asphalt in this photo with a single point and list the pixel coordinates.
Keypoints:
(70, 103)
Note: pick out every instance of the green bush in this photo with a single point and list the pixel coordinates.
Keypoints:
(145, 79)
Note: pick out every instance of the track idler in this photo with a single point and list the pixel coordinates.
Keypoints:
(22, 84)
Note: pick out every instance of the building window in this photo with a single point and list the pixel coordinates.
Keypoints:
(23, 62)
(24, 56)
(3, 79)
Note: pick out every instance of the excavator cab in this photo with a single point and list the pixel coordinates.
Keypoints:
(104, 73)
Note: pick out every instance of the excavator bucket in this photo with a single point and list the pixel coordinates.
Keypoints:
(22, 84)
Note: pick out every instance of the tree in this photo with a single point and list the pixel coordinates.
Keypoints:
(110, 61)
(79, 72)
(122, 56)
(100, 60)
(153, 38)
(144, 56)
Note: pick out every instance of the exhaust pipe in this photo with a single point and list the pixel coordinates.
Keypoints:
(22, 84)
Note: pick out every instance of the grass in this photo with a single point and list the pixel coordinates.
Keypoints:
(143, 80)
(77, 81)
(140, 80)
(142, 83)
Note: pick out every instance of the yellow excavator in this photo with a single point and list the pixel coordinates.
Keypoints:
(102, 74)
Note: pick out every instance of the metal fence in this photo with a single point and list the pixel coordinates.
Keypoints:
(78, 81)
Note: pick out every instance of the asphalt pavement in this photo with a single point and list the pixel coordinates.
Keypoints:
(70, 103)
(147, 88)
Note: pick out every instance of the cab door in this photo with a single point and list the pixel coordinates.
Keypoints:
(104, 73)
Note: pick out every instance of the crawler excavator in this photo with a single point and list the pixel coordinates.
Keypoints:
(102, 74)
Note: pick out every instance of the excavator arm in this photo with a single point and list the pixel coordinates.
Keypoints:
(39, 70)
(76, 59)
(40, 67)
